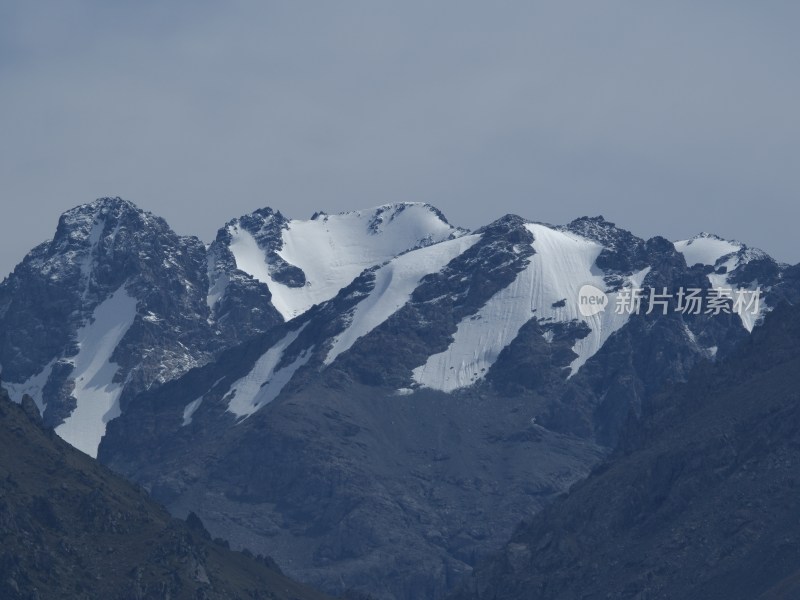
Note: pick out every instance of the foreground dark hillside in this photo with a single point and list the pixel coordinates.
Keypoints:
(69, 528)
(702, 501)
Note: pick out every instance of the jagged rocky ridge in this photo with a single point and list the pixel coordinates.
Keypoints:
(382, 393)
(118, 303)
(407, 424)
(70, 528)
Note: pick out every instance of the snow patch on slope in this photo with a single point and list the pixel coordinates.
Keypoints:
(603, 324)
(32, 387)
(705, 249)
(96, 392)
(95, 235)
(563, 263)
(191, 407)
(265, 380)
(332, 250)
(394, 284)
(709, 249)
(720, 280)
(250, 258)
(219, 283)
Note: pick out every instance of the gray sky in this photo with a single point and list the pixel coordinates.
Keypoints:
(667, 118)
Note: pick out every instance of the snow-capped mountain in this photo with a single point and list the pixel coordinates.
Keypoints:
(117, 302)
(450, 368)
(364, 394)
(734, 266)
(303, 263)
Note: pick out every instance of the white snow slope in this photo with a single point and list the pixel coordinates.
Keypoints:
(394, 284)
(721, 280)
(706, 249)
(265, 380)
(191, 408)
(32, 387)
(563, 263)
(95, 390)
(332, 250)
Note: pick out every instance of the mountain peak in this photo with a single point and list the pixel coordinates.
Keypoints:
(89, 294)
(598, 219)
(75, 226)
(101, 207)
(305, 262)
(507, 221)
(704, 235)
(592, 227)
(706, 248)
(111, 202)
(617, 241)
(385, 213)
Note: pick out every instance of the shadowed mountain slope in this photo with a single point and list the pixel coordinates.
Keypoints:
(69, 528)
(701, 500)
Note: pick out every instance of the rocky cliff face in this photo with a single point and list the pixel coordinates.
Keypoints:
(240, 304)
(114, 304)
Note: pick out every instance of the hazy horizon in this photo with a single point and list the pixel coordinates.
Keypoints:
(667, 120)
